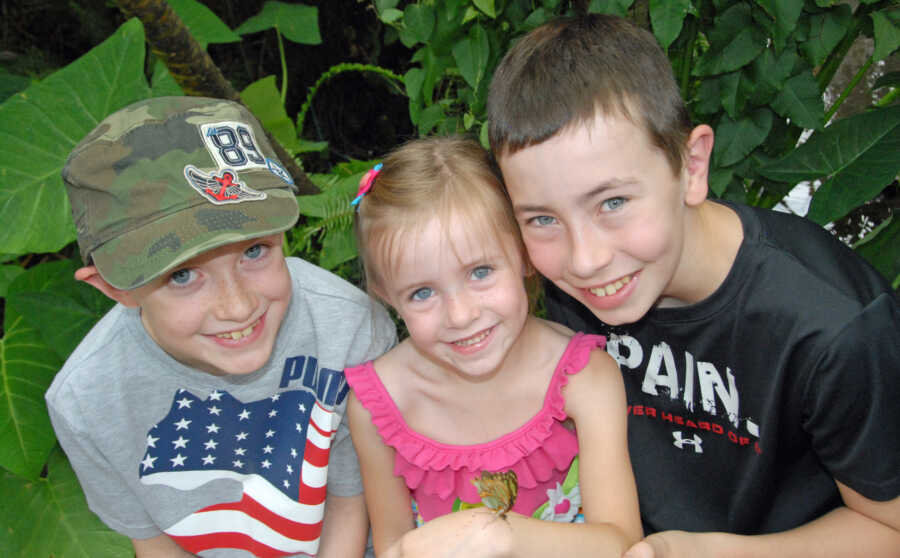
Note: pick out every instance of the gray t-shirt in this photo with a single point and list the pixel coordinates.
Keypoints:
(234, 461)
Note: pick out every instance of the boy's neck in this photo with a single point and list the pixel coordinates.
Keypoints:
(713, 235)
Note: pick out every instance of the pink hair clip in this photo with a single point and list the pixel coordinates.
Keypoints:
(365, 183)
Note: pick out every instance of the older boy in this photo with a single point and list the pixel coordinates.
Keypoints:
(760, 355)
(203, 413)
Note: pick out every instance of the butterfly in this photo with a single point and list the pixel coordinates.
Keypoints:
(497, 490)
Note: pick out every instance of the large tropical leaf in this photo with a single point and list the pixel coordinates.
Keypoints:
(63, 310)
(736, 139)
(856, 156)
(39, 126)
(27, 366)
(50, 517)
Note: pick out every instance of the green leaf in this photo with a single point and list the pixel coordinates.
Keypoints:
(486, 6)
(205, 26)
(825, 31)
(264, 100)
(50, 517)
(471, 55)
(611, 7)
(39, 126)
(667, 18)
(736, 139)
(7, 274)
(298, 23)
(419, 20)
(390, 15)
(857, 155)
(881, 247)
(412, 81)
(11, 83)
(429, 118)
(886, 25)
(163, 84)
(769, 72)
(784, 14)
(338, 247)
(63, 310)
(719, 179)
(735, 41)
(27, 366)
(801, 101)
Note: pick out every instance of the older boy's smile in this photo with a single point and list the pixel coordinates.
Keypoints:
(610, 288)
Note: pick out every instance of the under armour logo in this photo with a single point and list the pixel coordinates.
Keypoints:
(696, 441)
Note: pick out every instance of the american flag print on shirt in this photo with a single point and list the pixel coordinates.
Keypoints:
(277, 448)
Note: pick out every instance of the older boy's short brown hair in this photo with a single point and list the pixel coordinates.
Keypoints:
(569, 70)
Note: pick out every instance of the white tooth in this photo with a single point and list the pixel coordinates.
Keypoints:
(626, 279)
(610, 289)
(247, 331)
(618, 285)
(235, 335)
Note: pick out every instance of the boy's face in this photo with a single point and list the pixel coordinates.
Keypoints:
(220, 312)
(602, 216)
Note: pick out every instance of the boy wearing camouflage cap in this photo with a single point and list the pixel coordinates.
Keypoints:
(203, 413)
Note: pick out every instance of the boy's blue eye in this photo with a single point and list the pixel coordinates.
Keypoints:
(543, 220)
(422, 294)
(614, 203)
(181, 277)
(481, 272)
(255, 251)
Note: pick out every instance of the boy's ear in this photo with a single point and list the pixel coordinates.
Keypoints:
(91, 276)
(699, 152)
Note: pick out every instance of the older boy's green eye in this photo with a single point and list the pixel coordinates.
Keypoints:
(543, 220)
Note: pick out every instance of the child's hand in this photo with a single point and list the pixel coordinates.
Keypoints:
(670, 544)
(474, 533)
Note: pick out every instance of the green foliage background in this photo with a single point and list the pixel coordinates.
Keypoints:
(755, 70)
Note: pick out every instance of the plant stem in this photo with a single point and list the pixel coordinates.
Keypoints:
(847, 90)
(333, 71)
(284, 74)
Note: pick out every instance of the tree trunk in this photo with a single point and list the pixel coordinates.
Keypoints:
(194, 70)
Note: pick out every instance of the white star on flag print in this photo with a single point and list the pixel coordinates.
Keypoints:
(277, 448)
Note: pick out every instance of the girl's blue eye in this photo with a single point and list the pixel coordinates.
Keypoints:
(254, 252)
(181, 277)
(481, 272)
(422, 294)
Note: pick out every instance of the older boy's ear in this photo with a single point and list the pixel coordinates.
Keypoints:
(699, 152)
(91, 276)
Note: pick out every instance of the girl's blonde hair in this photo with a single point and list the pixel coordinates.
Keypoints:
(427, 178)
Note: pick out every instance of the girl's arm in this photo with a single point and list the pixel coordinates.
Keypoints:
(595, 400)
(345, 528)
(387, 497)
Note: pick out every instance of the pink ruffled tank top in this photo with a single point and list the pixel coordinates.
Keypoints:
(541, 452)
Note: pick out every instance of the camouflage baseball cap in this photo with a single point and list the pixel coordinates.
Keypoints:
(163, 180)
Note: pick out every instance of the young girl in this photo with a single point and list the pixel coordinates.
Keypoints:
(479, 385)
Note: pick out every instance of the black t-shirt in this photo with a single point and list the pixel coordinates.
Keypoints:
(744, 407)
